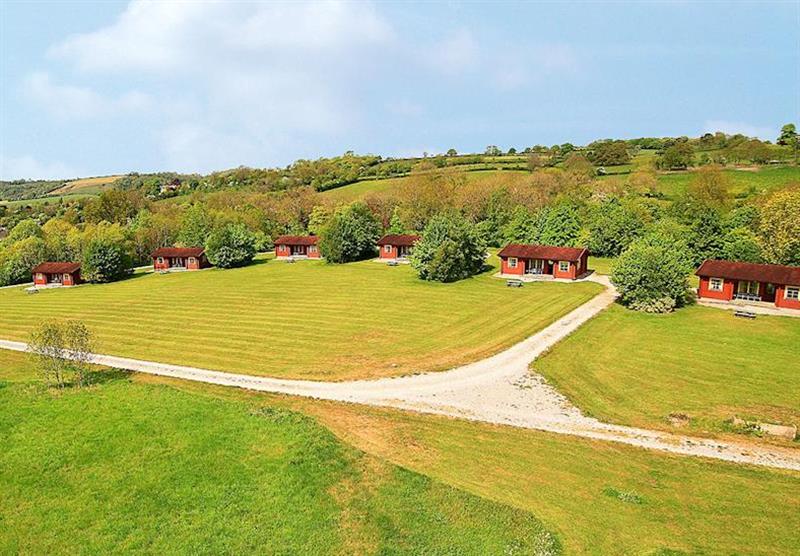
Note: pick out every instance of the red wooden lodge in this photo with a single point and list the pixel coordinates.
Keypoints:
(297, 247)
(543, 260)
(57, 274)
(179, 258)
(396, 246)
(770, 283)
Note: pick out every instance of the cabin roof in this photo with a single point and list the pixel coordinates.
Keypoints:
(528, 251)
(735, 270)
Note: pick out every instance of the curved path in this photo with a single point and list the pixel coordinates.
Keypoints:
(499, 389)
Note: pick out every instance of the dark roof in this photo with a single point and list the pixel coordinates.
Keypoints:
(178, 252)
(296, 240)
(572, 254)
(772, 273)
(398, 239)
(57, 268)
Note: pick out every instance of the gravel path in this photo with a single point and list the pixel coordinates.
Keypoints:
(499, 389)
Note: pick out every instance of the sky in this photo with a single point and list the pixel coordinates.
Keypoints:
(100, 88)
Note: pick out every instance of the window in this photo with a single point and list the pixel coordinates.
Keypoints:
(161, 260)
(312, 249)
(387, 248)
(512, 262)
(192, 260)
(563, 266)
(747, 287)
(66, 277)
(715, 284)
(40, 276)
(793, 292)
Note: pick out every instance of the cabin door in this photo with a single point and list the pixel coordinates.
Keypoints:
(534, 266)
(769, 293)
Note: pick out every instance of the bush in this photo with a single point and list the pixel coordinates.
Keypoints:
(351, 235)
(17, 261)
(652, 277)
(104, 260)
(230, 246)
(450, 249)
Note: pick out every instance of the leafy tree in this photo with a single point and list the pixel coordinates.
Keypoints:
(319, 219)
(56, 237)
(61, 349)
(196, 226)
(104, 260)
(350, 235)
(579, 166)
(779, 228)
(17, 261)
(230, 245)
(523, 227)
(512, 150)
(678, 156)
(25, 229)
(536, 161)
(493, 150)
(710, 187)
(652, 275)
(452, 152)
(644, 181)
(741, 244)
(706, 235)
(396, 223)
(609, 153)
(115, 205)
(561, 226)
(745, 216)
(450, 249)
(788, 135)
(613, 227)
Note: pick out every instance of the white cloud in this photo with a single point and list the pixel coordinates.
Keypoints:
(71, 102)
(456, 54)
(732, 128)
(28, 167)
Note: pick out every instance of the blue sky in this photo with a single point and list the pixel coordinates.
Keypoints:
(93, 88)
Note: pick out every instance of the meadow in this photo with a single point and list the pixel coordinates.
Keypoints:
(124, 466)
(304, 320)
(637, 369)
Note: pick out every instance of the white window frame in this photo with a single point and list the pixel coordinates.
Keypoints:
(512, 262)
(40, 276)
(312, 248)
(795, 296)
(160, 260)
(561, 266)
(716, 288)
(192, 260)
(746, 291)
(387, 248)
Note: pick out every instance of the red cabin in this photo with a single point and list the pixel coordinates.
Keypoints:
(295, 247)
(57, 274)
(179, 258)
(396, 246)
(543, 260)
(769, 283)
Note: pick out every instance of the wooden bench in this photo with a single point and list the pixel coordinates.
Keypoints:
(514, 283)
(391, 263)
(744, 314)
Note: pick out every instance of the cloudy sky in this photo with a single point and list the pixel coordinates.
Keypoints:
(93, 88)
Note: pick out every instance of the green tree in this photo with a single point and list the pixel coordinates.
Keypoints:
(523, 226)
(230, 245)
(652, 276)
(450, 249)
(104, 260)
(561, 226)
(196, 226)
(613, 226)
(24, 229)
(493, 150)
(741, 244)
(61, 350)
(452, 152)
(779, 228)
(350, 235)
(17, 261)
(396, 223)
(706, 235)
(678, 156)
(710, 186)
(790, 138)
(609, 153)
(320, 217)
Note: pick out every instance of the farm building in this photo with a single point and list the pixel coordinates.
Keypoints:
(56, 274)
(297, 247)
(543, 260)
(396, 246)
(179, 258)
(768, 283)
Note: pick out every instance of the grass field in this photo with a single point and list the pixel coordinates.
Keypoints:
(742, 181)
(86, 185)
(303, 320)
(129, 467)
(598, 498)
(637, 369)
(47, 200)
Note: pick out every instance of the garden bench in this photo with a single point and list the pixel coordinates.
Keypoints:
(514, 283)
(391, 263)
(744, 314)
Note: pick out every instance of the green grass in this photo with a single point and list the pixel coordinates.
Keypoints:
(637, 369)
(598, 497)
(601, 265)
(129, 467)
(52, 200)
(304, 320)
(759, 181)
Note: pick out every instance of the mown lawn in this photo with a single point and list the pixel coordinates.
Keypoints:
(597, 497)
(129, 467)
(637, 369)
(304, 320)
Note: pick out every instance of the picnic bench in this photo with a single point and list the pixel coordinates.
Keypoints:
(744, 314)
(392, 263)
(514, 283)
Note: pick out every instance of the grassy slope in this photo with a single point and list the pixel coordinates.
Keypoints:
(86, 185)
(130, 467)
(308, 319)
(762, 180)
(636, 369)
